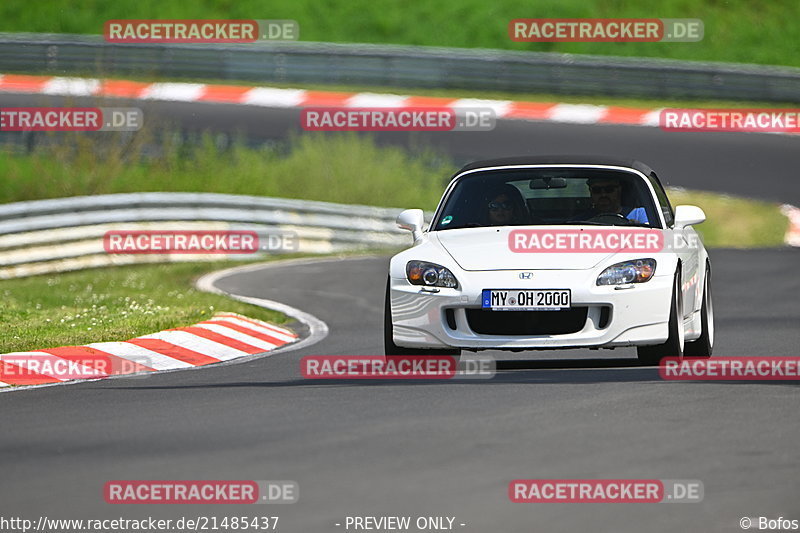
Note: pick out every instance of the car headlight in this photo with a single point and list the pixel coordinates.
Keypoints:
(430, 275)
(637, 271)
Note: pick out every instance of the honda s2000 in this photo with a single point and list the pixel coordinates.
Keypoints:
(537, 253)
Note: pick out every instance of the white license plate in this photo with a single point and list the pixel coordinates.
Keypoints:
(526, 299)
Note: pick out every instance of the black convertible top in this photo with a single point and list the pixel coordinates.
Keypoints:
(559, 160)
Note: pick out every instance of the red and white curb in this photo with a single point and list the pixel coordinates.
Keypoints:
(275, 97)
(793, 234)
(224, 337)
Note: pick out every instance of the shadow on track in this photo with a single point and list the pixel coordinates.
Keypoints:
(548, 371)
(509, 372)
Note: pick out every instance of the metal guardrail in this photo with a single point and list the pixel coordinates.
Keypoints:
(401, 66)
(46, 236)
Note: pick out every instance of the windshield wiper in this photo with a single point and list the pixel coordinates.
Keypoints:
(640, 225)
(584, 222)
(590, 223)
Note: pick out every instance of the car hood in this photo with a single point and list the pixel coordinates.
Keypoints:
(488, 249)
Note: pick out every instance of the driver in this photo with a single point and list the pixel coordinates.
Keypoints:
(606, 194)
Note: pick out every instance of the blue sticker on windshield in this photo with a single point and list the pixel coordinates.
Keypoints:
(446, 220)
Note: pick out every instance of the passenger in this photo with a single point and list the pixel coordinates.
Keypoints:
(506, 207)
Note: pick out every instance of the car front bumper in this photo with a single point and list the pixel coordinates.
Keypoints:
(636, 314)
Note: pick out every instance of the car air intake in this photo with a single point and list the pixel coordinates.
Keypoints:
(527, 322)
(605, 315)
(450, 316)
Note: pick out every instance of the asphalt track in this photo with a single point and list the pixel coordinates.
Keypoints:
(448, 448)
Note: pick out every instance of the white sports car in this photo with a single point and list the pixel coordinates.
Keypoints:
(533, 253)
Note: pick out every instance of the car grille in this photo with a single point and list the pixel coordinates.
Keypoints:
(527, 322)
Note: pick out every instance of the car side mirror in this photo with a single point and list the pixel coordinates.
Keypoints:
(688, 215)
(412, 220)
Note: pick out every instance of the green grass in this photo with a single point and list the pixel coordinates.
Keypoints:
(750, 31)
(733, 222)
(110, 304)
(345, 169)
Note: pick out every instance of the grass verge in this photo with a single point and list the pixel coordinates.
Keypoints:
(734, 222)
(349, 169)
(110, 304)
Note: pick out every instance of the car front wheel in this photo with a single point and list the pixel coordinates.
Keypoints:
(703, 345)
(673, 347)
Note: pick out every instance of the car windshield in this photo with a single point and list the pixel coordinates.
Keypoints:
(548, 196)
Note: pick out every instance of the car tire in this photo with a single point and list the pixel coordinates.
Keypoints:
(673, 347)
(390, 348)
(702, 347)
